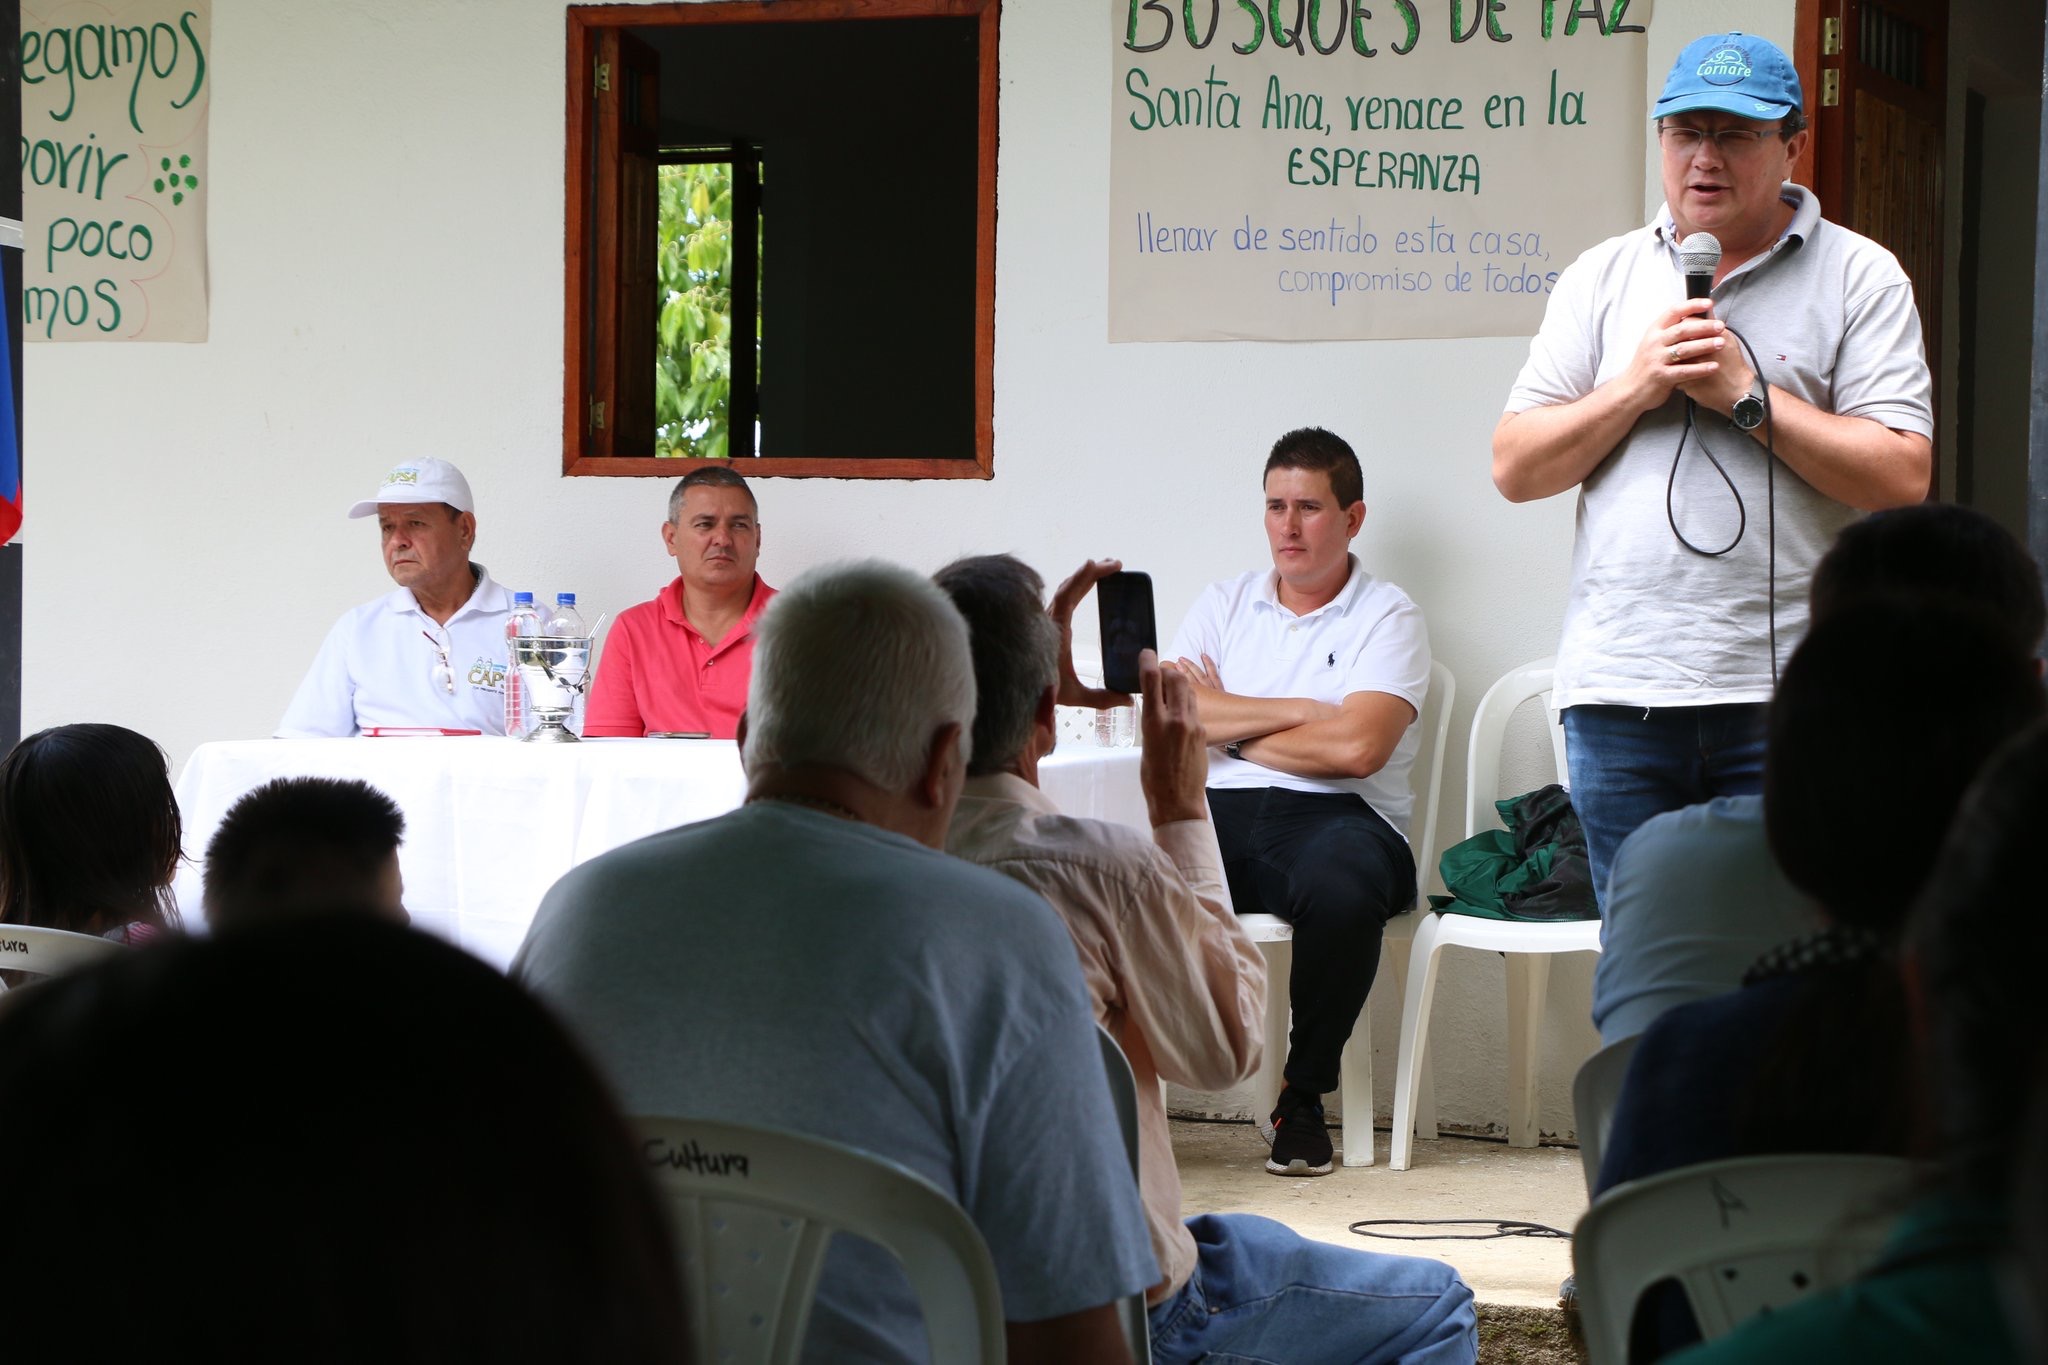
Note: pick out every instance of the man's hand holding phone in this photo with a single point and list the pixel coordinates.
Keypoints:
(1072, 691)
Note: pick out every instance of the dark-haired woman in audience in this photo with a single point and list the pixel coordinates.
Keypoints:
(89, 833)
(1972, 970)
(1883, 717)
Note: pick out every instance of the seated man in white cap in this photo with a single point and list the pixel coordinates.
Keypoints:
(432, 653)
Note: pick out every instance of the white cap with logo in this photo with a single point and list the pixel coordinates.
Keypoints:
(425, 480)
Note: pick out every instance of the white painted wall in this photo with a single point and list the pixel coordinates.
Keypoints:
(387, 280)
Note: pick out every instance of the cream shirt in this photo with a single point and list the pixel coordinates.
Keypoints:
(1172, 974)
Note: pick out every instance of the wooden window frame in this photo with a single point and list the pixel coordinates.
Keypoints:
(588, 27)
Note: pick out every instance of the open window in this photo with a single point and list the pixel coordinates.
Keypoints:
(781, 238)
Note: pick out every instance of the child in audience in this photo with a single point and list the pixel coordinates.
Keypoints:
(305, 845)
(321, 1140)
(1972, 961)
(89, 833)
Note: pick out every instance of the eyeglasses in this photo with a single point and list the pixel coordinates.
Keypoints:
(444, 672)
(1730, 142)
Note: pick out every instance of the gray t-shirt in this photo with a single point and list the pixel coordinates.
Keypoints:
(1649, 622)
(782, 966)
(1694, 899)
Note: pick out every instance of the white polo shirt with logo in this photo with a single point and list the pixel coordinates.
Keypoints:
(377, 668)
(1369, 638)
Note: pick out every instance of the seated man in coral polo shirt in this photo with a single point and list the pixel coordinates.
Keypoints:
(680, 664)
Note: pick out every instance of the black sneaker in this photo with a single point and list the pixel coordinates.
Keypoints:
(1301, 1143)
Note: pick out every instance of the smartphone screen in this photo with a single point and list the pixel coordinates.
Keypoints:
(1124, 604)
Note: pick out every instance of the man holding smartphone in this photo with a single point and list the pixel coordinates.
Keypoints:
(1309, 677)
(1177, 981)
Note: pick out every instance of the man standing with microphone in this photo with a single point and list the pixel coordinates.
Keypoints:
(1719, 437)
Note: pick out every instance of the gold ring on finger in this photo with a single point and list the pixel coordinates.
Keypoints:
(1674, 355)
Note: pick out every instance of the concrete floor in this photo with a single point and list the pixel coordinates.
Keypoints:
(1222, 1170)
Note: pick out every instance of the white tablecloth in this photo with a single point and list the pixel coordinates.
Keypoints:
(491, 823)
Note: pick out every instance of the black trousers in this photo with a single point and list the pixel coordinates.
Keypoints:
(1330, 866)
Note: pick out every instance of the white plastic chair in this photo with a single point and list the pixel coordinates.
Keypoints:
(1123, 1096)
(1595, 1091)
(1275, 937)
(47, 952)
(1741, 1237)
(1527, 945)
(753, 1211)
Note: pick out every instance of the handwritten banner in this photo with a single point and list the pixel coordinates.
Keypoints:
(113, 169)
(1329, 170)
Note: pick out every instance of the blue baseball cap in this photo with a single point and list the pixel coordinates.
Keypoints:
(1734, 73)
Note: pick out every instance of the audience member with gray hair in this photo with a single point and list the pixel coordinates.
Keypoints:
(814, 962)
(1180, 984)
(863, 673)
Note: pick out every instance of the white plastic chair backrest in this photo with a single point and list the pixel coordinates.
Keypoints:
(1489, 732)
(1123, 1095)
(1435, 720)
(47, 952)
(1123, 1091)
(1595, 1091)
(753, 1211)
(1742, 1237)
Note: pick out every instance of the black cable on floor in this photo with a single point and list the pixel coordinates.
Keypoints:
(1502, 1227)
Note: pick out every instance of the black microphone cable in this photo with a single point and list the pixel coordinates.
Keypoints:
(1692, 428)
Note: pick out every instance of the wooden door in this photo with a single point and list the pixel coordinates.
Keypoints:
(1876, 79)
(625, 94)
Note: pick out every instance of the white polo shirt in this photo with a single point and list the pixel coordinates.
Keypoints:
(1649, 622)
(1369, 638)
(377, 668)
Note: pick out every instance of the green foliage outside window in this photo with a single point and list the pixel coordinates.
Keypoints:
(693, 354)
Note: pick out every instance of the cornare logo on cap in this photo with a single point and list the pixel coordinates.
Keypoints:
(403, 474)
(1726, 66)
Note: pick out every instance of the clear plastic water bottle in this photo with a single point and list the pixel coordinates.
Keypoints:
(524, 620)
(565, 621)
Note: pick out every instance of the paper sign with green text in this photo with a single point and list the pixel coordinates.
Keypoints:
(113, 169)
(1313, 170)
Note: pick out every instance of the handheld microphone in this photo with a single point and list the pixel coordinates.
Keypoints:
(1698, 255)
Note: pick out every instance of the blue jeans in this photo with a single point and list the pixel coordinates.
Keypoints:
(1262, 1292)
(1629, 763)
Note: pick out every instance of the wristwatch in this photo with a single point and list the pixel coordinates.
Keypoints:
(1235, 748)
(1748, 413)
